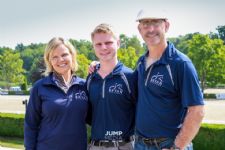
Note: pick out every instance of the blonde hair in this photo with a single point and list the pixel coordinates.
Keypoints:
(53, 44)
(104, 28)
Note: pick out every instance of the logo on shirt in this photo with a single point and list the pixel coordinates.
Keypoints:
(113, 135)
(81, 95)
(116, 89)
(157, 79)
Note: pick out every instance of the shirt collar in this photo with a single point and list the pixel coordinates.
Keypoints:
(167, 55)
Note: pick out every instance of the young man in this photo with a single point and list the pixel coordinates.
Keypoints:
(112, 94)
(170, 103)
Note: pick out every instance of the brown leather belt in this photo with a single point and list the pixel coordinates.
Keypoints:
(150, 141)
(110, 143)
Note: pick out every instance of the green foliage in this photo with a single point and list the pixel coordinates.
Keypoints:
(4, 84)
(209, 96)
(23, 92)
(4, 49)
(84, 47)
(24, 86)
(208, 51)
(11, 125)
(208, 56)
(28, 55)
(37, 70)
(128, 57)
(134, 42)
(20, 47)
(210, 137)
(221, 32)
(83, 64)
(181, 42)
(11, 68)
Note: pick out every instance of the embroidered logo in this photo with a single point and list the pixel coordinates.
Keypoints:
(116, 89)
(81, 95)
(157, 79)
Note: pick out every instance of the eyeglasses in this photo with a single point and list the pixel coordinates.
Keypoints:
(153, 23)
(63, 56)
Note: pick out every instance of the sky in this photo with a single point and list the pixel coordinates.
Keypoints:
(37, 21)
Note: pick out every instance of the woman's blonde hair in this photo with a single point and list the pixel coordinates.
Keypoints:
(53, 44)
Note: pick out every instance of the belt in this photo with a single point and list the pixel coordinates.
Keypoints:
(150, 141)
(110, 143)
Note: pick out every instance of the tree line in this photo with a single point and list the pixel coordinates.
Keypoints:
(25, 64)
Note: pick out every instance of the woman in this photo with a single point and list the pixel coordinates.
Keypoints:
(57, 109)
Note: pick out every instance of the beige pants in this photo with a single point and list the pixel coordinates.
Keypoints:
(128, 146)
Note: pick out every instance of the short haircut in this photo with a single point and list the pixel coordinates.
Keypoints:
(104, 28)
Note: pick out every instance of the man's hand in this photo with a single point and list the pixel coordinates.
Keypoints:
(92, 66)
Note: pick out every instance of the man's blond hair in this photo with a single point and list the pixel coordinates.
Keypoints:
(105, 28)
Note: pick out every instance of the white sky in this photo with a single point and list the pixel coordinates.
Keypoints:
(34, 21)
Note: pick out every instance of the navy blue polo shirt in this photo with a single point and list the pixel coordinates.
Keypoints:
(113, 104)
(55, 120)
(165, 91)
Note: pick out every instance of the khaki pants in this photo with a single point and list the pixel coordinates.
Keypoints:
(128, 146)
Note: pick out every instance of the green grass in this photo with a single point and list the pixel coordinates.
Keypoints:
(11, 142)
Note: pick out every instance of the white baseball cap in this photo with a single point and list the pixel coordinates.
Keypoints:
(148, 14)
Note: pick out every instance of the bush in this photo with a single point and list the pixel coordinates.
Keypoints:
(11, 125)
(210, 137)
(19, 93)
(24, 86)
(209, 96)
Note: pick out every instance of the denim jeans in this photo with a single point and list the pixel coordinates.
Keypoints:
(140, 145)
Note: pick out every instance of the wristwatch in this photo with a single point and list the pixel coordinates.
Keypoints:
(174, 147)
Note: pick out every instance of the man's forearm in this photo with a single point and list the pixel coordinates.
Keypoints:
(190, 127)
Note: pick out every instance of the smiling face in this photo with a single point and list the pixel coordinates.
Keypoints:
(105, 45)
(61, 60)
(153, 31)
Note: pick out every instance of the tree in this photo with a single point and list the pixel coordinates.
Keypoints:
(134, 42)
(20, 47)
(221, 31)
(84, 47)
(83, 63)
(208, 55)
(181, 42)
(11, 68)
(128, 57)
(37, 69)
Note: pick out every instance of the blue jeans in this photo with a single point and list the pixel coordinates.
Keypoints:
(140, 145)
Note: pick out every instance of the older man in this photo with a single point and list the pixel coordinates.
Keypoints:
(170, 103)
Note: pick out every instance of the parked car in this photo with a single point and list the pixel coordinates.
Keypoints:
(3, 92)
(15, 88)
